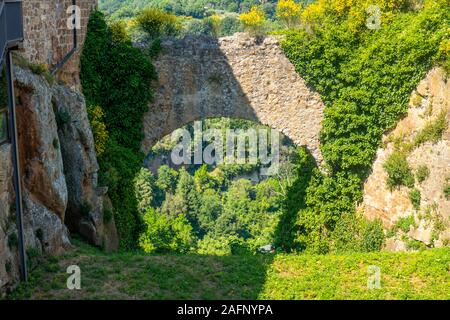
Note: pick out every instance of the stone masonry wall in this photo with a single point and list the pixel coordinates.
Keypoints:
(235, 77)
(47, 37)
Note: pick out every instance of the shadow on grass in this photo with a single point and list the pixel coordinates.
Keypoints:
(134, 275)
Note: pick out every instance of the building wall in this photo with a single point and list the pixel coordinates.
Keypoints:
(47, 37)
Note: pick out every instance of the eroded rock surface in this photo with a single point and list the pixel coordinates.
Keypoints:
(432, 220)
(59, 176)
(85, 202)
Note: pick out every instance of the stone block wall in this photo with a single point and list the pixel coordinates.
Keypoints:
(233, 77)
(47, 37)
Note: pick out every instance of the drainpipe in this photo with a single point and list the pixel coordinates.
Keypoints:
(16, 165)
(75, 45)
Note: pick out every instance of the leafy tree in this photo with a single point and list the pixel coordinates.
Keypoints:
(304, 166)
(143, 189)
(203, 180)
(167, 179)
(166, 234)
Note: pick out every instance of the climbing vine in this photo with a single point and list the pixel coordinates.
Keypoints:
(117, 77)
(365, 79)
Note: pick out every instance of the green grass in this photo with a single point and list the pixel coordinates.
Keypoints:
(418, 275)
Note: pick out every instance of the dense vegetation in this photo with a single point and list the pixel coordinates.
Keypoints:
(365, 77)
(365, 74)
(193, 8)
(211, 209)
(111, 64)
(209, 18)
(418, 275)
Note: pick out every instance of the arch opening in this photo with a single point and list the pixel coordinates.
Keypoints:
(224, 208)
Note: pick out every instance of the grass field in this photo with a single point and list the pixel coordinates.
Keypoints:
(418, 275)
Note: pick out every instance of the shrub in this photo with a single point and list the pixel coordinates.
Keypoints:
(119, 31)
(218, 246)
(55, 143)
(433, 130)
(413, 244)
(13, 241)
(156, 23)
(253, 21)
(354, 233)
(372, 236)
(62, 118)
(229, 26)
(38, 68)
(96, 119)
(405, 223)
(444, 54)
(289, 13)
(422, 173)
(398, 171)
(447, 190)
(415, 197)
(214, 22)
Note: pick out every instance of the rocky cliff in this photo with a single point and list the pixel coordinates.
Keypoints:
(427, 223)
(59, 175)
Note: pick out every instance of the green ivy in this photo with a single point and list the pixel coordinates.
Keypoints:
(365, 79)
(117, 76)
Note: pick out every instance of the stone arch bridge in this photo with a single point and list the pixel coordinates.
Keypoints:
(233, 77)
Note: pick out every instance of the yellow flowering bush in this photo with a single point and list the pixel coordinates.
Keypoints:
(354, 11)
(215, 23)
(289, 12)
(314, 11)
(96, 118)
(253, 21)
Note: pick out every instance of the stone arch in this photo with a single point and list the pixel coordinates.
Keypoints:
(233, 77)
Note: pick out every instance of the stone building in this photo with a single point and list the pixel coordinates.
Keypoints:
(47, 36)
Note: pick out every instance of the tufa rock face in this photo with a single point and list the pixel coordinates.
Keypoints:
(59, 176)
(8, 253)
(40, 156)
(86, 200)
(233, 77)
(432, 219)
